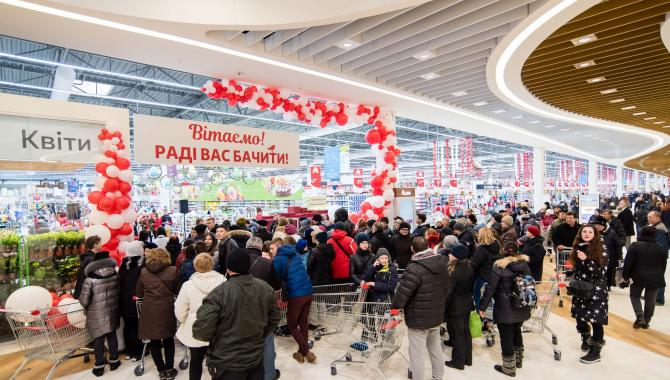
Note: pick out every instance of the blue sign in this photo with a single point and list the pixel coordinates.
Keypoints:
(331, 163)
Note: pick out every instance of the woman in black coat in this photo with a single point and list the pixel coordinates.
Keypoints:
(644, 269)
(129, 272)
(458, 308)
(318, 264)
(508, 317)
(486, 253)
(379, 239)
(534, 249)
(360, 262)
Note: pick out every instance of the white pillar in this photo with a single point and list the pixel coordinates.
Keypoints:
(593, 177)
(647, 180)
(619, 181)
(539, 159)
(636, 180)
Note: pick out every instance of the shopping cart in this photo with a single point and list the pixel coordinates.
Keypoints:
(489, 328)
(539, 314)
(332, 307)
(52, 334)
(564, 271)
(139, 370)
(375, 336)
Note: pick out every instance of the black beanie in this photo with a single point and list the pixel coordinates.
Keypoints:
(322, 237)
(237, 261)
(200, 229)
(403, 225)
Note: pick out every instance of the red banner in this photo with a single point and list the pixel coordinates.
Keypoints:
(315, 176)
(420, 181)
(358, 178)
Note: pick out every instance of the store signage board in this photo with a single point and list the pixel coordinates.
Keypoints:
(588, 203)
(489, 186)
(160, 140)
(331, 163)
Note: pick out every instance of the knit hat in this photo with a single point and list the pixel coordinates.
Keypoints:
(238, 261)
(404, 225)
(135, 248)
(371, 222)
(318, 218)
(459, 251)
(290, 229)
(300, 246)
(497, 217)
(262, 223)
(450, 241)
(307, 233)
(459, 227)
(255, 243)
(507, 220)
(382, 252)
(361, 238)
(200, 229)
(534, 230)
(322, 237)
(601, 221)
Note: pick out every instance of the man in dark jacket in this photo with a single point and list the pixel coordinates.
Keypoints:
(616, 226)
(92, 245)
(458, 307)
(401, 251)
(422, 226)
(235, 318)
(627, 220)
(422, 294)
(226, 245)
(565, 233)
(614, 248)
(262, 231)
(645, 265)
(320, 260)
(465, 237)
(534, 249)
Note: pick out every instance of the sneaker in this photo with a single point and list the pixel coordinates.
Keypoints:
(637, 324)
(310, 357)
(170, 374)
(99, 371)
(590, 358)
(277, 374)
(297, 356)
(644, 324)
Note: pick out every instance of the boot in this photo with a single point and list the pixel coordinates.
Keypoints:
(593, 356)
(99, 370)
(518, 353)
(585, 341)
(114, 364)
(171, 373)
(508, 367)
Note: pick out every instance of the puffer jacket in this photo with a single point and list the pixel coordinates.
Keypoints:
(100, 297)
(509, 236)
(462, 281)
(483, 259)
(385, 283)
(158, 284)
(359, 265)
(319, 264)
(645, 263)
(534, 249)
(401, 251)
(129, 272)
(379, 240)
(85, 259)
(344, 247)
(189, 300)
(226, 245)
(297, 281)
(423, 290)
(500, 289)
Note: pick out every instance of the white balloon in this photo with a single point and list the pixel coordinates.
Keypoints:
(117, 194)
(112, 171)
(374, 217)
(100, 231)
(388, 195)
(106, 144)
(27, 299)
(115, 140)
(113, 148)
(73, 311)
(99, 182)
(109, 160)
(377, 201)
(115, 221)
(369, 213)
(126, 175)
(123, 153)
(98, 217)
(123, 245)
(129, 215)
(388, 167)
(99, 158)
(126, 238)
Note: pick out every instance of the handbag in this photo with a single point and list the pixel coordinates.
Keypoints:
(475, 325)
(284, 287)
(581, 289)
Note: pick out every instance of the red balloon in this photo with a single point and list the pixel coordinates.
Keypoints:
(66, 295)
(111, 185)
(373, 137)
(377, 182)
(112, 244)
(105, 204)
(104, 131)
(365, 206)
(124, 187)
(354, 218)
(125, 229)
(116, 134)
(110, 154)
(121, 204)
(389, 157)
(122, 163)
(377, 191)
(56, 320)
(378, 210)
(341, 118)
(101, 167)
(95, 196)
(101, 136)
(121, 146)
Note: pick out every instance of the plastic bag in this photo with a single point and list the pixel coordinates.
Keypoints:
(475, 325)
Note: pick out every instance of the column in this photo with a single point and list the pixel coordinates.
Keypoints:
(647, 182)
(593, 177)
(619, 181)
(539, 159)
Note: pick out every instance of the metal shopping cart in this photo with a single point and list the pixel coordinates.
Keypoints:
(539, 314)
(53, 334)
(564, 271)
(375, 336)
(139, 370)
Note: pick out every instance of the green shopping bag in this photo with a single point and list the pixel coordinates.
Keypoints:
(475, 325)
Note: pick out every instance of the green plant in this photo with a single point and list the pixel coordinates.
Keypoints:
(9, 239)
(66, 269)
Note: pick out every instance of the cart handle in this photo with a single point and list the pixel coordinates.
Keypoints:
(33, 312)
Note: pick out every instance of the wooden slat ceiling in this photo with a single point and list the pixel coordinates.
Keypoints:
(628, 53)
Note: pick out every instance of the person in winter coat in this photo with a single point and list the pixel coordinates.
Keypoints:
(92, 245)
(508, 231)
(534, 249)
(422, 226)
(235, 318)
(381, 278)
(379, 238)
(548, 218)
(226, 244)
(401, 244)
(565, 233)
(422, 294)
(344, 247)
(203, 281)
(342, 216)
(129, 272)
(320, 260)
(644, 269)
(486, 253)
(614, 248)
(173, 247)
(640, 217)
(465, 237)
(262, 231)
(361, 261)
(161, 239)
(239, 235)
(589, 258)
(299, 288)
(157, 285)
(458, 307)
(100, 298)
(508, 318)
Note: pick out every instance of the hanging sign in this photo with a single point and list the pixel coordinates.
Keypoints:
(358, 178)
(420, 179)
(331, 163)
(160, 140)
(315, 176)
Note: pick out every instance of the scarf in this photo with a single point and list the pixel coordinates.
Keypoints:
(384, 269)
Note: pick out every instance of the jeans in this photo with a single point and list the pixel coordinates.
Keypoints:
(598, 330)
(461, 339)
(421, 341)
(297, 320)
(157, 353)
(269, 356)
(197, 357)
(510, 337)
(649, 302)
(99, 349)
(255, 373)
(477, 291)
(133, 343)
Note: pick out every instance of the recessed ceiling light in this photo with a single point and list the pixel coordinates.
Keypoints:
(584, 64)
(499, 111)
(348, 44)
(595, 80)
(424, 55)
(639, 113)
(534, 122)
(550, 126)
(565, 129)
(650, 118)
(584, 39)
(429, 76)
(518, 117)
(659, 122)
(609, 91)
(459, 93)
(619, 100)
(628, 108)
(479, 104)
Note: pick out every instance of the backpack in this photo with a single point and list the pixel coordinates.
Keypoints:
(523, 291)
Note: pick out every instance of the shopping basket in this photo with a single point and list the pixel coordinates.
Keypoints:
(53, 334)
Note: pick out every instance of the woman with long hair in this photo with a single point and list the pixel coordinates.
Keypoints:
(589, 259)
(486, 253)
(210, 242)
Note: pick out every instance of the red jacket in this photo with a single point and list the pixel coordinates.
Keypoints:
(340, 265)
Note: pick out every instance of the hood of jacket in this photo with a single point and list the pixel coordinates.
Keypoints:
(425, 255)
(511, 261)
(101, 268)
(287, 250)
(341, 215)
(206, 282)
(339, 234)
(156, 266)
(326, 249)
(240, 234)
(536, 240)
(645, 238)
(494, 248)
(132, 262)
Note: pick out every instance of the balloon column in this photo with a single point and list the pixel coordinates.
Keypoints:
(382, 136)
(111, 217)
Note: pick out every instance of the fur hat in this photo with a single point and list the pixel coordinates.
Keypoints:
(255, 243)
